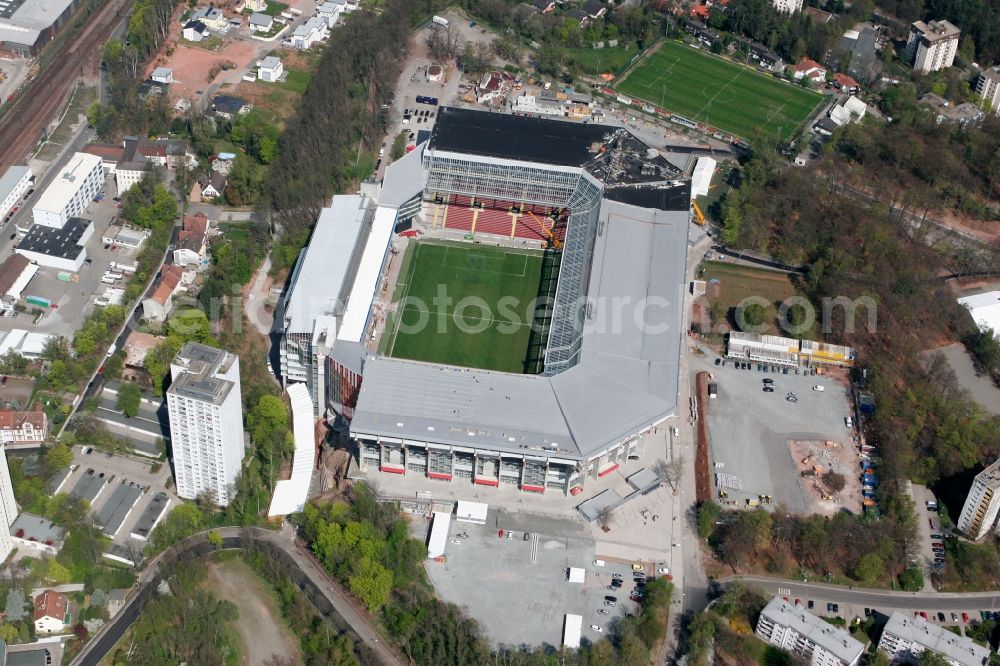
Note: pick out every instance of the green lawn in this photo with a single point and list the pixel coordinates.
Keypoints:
(708, 89)
(600, 61)
(297, 81)
(473, 328)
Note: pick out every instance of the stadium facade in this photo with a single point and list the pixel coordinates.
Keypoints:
(619, 221)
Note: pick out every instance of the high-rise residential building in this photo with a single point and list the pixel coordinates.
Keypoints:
(904, 638)
(69, 194)
(8, 508)
(988, 88)
(933, 45)
(982, 504)
(787, 6)
(803, 634)
(206, 421)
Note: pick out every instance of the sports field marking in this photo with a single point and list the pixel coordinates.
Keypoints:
(454, 316)
(708, 105)
(473, 258)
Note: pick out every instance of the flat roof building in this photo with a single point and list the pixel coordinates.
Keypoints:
(71, 191)
(904, 638)
(206, 421)
(26, 25)
(150, 517)
(14, 184)
(932, 45)
(984, 309)
(61, 247)
(979, 513)
(806, 636)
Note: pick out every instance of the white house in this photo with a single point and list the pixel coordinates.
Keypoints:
(213, 18)
(809, 69)
(157, 306)
(330, 11)
(51, 612)
(194, 31)
(163, 75)
(270, 69)
(261, 22)
(851, 110)
(312, 31)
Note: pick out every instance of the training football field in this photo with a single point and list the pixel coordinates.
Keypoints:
(705, 88)
(484, 318)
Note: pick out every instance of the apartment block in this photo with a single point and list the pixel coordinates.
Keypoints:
(979, 513)
(787, 6)
(8, 508)
(905, 638)
(803, 634)
(932, 46)
(988, 88)
(72, 190)
(204, 405)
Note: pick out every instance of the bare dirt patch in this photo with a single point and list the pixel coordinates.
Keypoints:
(817, 458)
(261, 628)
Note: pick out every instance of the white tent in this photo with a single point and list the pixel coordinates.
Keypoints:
(439, 534)
(572, 630)
(577, 575)
(471, 512)
(702, 177)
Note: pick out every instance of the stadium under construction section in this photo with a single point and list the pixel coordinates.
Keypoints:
(611, 212)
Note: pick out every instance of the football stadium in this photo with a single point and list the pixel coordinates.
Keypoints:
(504, 308)
(705, 88)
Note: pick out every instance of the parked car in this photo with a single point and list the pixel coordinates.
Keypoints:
(596, 628)
(940, 616)
(832, 608)
(954, 617)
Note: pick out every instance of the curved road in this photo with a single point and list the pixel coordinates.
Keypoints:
(883, 599)
(111, 633)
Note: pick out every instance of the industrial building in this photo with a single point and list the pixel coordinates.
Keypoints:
(14, 184)
(27, 25)
(905, 638)
(69, 194)
(622, 214)
(806, 636)
(206, 421)
(63, 248)
(979, 513)
(932, 46)
(984, 309)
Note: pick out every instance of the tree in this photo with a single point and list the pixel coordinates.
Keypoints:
(754, 315)
(9, 633)
(14, 609)
(215, 539)
(675, 471)
(604, 517)
(99, 598)
(869, 568)
(708, 513)
(371, 584)
(928, 658)
(57, 457)
(129, 399)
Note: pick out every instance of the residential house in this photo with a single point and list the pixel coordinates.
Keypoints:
(139, 148)
(702, 32)
(162, 75)
(52, 613)
(851, 110)
(192, 242)
(157, 306)
(763, 56)
(261, 22)
(228, 107)
(809, 69)
(595, 9)
(212, 17)
(964, 115)
(109, 153)
(129, 173)
(329, 12)
(846, 83)
(116, 600)
(178, 153)
(18, 427)
(195, 31)
(988, 88)
(544, 6)
(312, 31)
(212, 186)
(493, 86)
(270, 69)
(787, 6)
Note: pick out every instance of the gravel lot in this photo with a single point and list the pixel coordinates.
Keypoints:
(750, 429)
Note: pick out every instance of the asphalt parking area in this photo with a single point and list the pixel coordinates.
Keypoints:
(518, 590)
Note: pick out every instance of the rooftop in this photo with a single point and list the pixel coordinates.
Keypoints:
(934, 30)
(270, 62)
(985, 309)
(62, 188)
(63, 243)
(116, 509)
(990, 477)
(832, 639)
(35, 528)
(198, 372)
(10, 178)
(150, 516)
(33, 14)
(10, 271)
(956, 649)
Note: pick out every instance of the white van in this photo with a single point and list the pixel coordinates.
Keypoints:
(599, 563)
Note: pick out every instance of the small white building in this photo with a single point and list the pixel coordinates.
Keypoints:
(701, 180)
(14, 184)
(163, 75)
(312, 31)
(71, 191)
(329, 12)
(270, 69)
(195, 31)
(984, 309)
(851, 110)
(261, 22)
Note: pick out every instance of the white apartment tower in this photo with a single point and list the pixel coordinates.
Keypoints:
(932, 46)
(8, 508)
(904, 638)
(988, 88)
(206, 421)
(787, 6)
(803, 634)
(69, 194)
(982, 504)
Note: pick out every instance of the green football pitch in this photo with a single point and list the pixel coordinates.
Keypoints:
(705, 88)
(485, 321)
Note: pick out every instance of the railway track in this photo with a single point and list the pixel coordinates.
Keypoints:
(22, 126)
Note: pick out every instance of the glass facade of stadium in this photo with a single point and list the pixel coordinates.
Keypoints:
(545, 185)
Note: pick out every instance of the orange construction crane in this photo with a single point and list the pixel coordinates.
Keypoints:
(553, 241)
(700, 217)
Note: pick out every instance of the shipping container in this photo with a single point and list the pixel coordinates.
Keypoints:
(64, 276)
(38, 300)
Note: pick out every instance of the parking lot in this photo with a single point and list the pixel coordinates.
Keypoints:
(120, 489)
(752, 430)
(519, 590)
(75, 298)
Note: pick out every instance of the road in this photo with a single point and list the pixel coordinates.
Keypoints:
(881, 599)
(356, 619)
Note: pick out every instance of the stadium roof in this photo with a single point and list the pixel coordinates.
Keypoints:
(359, 303)
(324, 268)
(516, 137)
(633, 360)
